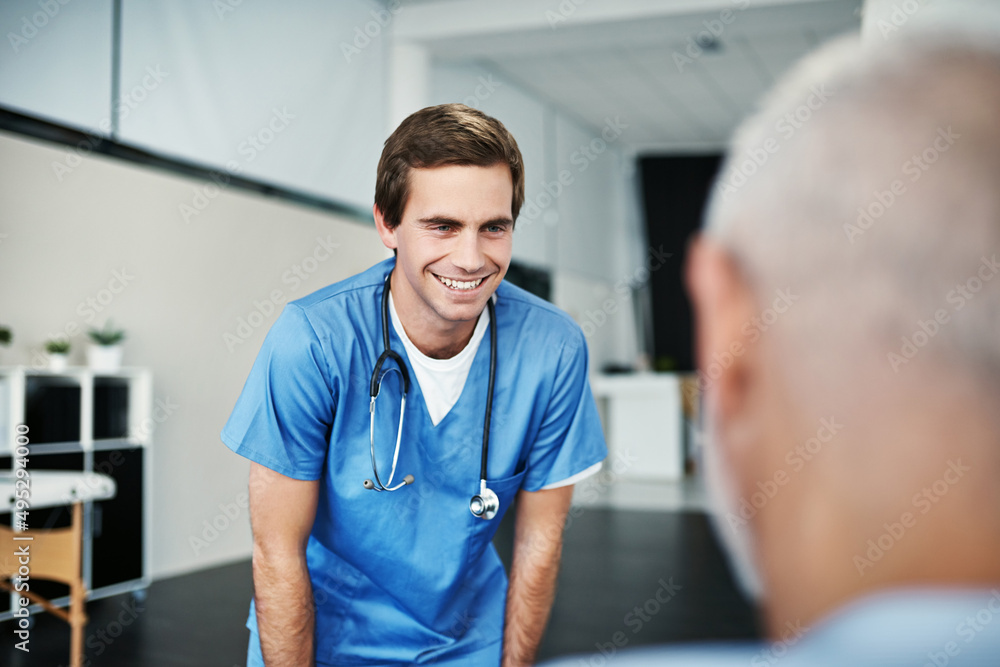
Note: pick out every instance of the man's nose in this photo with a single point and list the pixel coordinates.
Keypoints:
(469, 256)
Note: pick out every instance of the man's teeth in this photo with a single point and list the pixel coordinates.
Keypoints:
(459, 284)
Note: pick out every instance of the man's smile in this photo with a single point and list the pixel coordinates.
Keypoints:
(460, 285)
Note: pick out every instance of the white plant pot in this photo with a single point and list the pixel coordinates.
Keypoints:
(104, 357)
(58, 362)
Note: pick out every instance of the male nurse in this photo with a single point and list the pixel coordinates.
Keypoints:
(371, 544)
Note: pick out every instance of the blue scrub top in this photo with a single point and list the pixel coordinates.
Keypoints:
(412, 576)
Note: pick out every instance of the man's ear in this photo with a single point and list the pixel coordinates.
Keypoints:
(723, 306)
(386, 233)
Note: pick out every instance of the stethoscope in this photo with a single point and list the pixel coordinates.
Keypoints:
(485, 503)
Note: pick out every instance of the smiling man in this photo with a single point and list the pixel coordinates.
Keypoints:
(482, 398)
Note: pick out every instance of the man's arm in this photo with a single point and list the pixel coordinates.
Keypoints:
(282, 511)
(538, 530)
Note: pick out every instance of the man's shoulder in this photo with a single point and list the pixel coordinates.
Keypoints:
(736, 654)
(534, 312)
(887, 628)
(339, 294)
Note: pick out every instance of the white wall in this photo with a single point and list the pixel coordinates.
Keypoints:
(883, 20)
(186, 286)
(525, 117)
(281, 93)
(578, 220)
(293, 96)
(55, 62)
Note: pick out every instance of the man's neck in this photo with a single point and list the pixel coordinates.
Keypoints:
(928, 521)
(435, 338)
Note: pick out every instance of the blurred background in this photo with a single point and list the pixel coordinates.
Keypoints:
(177, 171)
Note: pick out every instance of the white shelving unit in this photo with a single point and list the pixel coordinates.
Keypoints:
(92, 421)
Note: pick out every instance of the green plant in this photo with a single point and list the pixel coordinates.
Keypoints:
(107, 336)
(5, 336)
(57, 346)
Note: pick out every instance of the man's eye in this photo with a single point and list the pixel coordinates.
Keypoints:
(443, 228)
(495, 228)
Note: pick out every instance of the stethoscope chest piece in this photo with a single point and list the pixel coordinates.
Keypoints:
(484, 504)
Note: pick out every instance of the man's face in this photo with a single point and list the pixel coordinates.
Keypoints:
(453, 243)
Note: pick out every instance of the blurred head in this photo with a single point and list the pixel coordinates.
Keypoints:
(847, 297)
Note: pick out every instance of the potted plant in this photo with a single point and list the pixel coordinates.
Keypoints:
(58, 351)
(5, 337)
(105, 351)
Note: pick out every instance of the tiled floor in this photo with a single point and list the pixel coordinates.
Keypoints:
(610, 492)
(615, 563)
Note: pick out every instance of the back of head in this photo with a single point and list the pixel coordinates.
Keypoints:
(867, 191)
(879, 197)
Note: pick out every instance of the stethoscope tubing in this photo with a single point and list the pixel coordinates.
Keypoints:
(484, 504)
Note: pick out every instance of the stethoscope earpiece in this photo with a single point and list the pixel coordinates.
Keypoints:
(368, 484)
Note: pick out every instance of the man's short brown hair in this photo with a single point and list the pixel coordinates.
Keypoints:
(443, 135)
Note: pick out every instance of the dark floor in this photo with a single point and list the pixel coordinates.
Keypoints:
(613, 562)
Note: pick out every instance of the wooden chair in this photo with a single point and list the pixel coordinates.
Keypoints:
(55, 555)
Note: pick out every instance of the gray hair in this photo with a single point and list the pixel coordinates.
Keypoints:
(868, 185)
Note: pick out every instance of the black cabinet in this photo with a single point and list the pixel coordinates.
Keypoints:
(80, 420)
(118, 524)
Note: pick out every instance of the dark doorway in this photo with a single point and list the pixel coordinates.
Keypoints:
(674, 192)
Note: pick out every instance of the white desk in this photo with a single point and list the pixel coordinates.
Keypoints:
(643, 424)
(52, 488)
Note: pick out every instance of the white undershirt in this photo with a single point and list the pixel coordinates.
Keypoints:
(442, 380)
